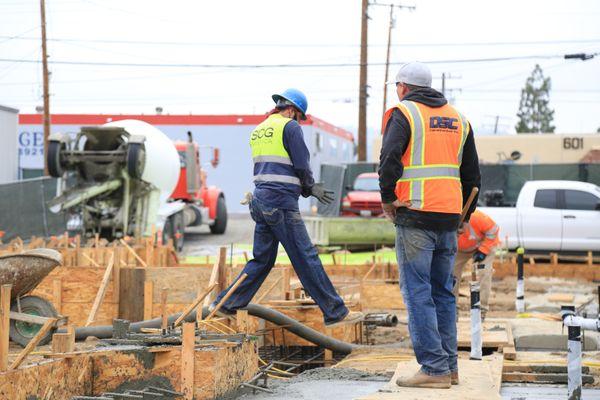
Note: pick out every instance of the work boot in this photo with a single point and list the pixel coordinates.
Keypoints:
(454, 377)
(422, 380)
(351, 318)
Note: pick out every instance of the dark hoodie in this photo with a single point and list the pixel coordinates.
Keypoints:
(395, 142)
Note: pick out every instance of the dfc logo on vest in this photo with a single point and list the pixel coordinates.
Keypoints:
(443, 123)
(262, 133)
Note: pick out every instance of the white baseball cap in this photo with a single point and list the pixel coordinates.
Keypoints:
(413, 73)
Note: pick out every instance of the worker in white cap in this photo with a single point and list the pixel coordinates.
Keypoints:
(427, 169)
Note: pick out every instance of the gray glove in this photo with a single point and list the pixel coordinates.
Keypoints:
(323, 195)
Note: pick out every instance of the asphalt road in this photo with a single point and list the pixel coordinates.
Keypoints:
(199, 240)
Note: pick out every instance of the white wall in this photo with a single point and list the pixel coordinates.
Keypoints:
(8, 144)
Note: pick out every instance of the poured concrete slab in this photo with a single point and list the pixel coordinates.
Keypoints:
(537, 334)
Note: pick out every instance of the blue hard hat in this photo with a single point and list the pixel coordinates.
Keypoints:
(292, 97)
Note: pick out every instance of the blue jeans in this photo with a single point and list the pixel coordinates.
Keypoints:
(274, 225)
(425, 263)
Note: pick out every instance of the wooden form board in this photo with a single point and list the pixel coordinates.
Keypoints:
(311, 316)
(224, 367)
(478, 380)
(579, 271)
(495, 334)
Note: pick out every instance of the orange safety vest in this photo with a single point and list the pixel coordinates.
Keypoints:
(431, 177)
(480, 233)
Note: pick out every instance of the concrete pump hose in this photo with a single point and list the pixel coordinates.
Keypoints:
(256, 310)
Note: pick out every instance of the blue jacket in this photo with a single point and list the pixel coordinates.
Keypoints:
(285, 195)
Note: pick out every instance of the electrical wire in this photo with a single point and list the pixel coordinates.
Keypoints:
(311, 45)
(275, 66)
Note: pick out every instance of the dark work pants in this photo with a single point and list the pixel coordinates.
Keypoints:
(274, 226)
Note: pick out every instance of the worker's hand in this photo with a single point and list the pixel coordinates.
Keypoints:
(478, 256)
(323, 195)
(389, 209)
(462, 228)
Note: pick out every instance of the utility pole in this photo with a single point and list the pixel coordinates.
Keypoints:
(387, 58)
(496, 124)
(444, 84)
(362, 90)
(46, 117)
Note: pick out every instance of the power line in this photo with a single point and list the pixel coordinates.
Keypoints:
(216, 44)
(267, 66)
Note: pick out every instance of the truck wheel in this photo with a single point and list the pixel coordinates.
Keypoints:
(136, 160)
(22, 332)
(178, 231)
(220, 224)
(55, 167)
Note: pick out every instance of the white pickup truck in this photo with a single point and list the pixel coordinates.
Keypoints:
(552, 215)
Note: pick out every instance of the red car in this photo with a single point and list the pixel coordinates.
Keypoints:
(364, 199)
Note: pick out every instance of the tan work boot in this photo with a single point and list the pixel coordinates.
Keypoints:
(351, 318)
(454, 377)
(422, 380)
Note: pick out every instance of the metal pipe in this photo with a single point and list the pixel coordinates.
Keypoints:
(381, 319)
(476, 342)
(574, 379)
(256, 310)
(587, 324)
(520, 301)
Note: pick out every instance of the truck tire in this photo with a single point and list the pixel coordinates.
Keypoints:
(136, 160)
(55, 166)
(220, 224)
(22, 332)
(178, 231)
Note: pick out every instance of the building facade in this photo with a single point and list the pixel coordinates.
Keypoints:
(229, 133)
(532, 148)
(9, 160)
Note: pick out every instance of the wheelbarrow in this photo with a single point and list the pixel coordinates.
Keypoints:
(24, 271)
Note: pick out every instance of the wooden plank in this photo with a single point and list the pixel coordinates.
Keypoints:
(187, 360)
(163, 309)
(148, 299)
(242, 321)
(194, 304)
(227, 295)
(133, 253)
(101, 291)
(214, 276)
(131, 307)
(33, 342)
(266, 293)
(57, 295)
(4, 325)
(561, 298)
(63, 343)
(476, 383)
(222, 275)
(521, 377)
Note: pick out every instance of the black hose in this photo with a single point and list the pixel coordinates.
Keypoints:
(256, 310)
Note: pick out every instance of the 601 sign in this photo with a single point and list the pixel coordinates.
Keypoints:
(573, 143)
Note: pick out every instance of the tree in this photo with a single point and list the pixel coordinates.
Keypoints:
(534, 114)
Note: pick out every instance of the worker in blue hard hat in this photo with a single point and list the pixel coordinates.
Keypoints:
(281, 174)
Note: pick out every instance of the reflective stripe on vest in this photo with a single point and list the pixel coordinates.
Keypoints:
(277, 159)
(277, 178)
(431, 162)
(272, 163)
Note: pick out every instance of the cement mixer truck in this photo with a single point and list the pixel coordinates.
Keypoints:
(128, 178)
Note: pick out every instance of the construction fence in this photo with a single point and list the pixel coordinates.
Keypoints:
(24, 211)
(511, 177)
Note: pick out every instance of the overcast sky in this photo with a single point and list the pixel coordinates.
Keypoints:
(259, 32)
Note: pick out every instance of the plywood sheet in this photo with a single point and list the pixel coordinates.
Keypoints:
(478, 380)
(495, 334)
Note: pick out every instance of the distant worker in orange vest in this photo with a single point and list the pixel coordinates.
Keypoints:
(477, 245)
(428, 167)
